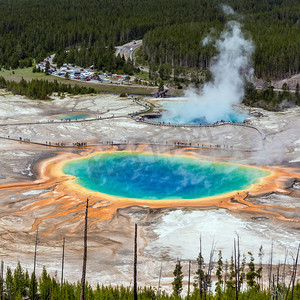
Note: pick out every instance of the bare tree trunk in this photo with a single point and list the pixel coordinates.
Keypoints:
(270, 267)
(189, 280)
(295, 272)
(238, 265)
(208, 275)
(236, 271)
(283, 275)
(135, 264)
(273, 290)
(62, 263)
(289, 287)
(261, 279)
(34, 260)
(158, 288)
(2, 280)
(200, 268)
(277, 281)
(82, 296)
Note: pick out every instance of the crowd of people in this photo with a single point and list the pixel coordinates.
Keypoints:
(182, 144)
(78, 144)
(185, 144)
(176, 144)
(23, 139)
(68, 119)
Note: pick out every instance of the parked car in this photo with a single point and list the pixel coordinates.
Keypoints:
(87, 79)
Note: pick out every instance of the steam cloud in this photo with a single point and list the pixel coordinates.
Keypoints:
(230, 67)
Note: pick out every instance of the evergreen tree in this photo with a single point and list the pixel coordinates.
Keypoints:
(33, 287)
(45, 285)
(219, 272)
(178, 277)
(9, 284)
(200, 276)
(242, 272)
(19, 282)
(297, 94)
(252, 275)
(161, 85)
(2, 82)
(19, 296)
(47, 67)
(231, 283)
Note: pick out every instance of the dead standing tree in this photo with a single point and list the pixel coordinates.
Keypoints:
(34, 261)
(135, 264)
(293, 277)
(2, 280)
(271, 267)
(207, 281)
(82, 296)
(189, 281)
(158, 288)
(62, 263)
(295, 272)
(237, 256)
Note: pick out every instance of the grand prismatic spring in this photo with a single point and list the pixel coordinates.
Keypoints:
(158, 177)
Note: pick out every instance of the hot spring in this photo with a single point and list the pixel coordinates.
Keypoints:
(172, 113)
(73, 116)
(158, 176)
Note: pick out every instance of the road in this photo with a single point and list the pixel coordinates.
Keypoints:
(276, 89)
(128, 49)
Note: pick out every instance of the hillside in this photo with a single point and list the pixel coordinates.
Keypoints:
(172, 31)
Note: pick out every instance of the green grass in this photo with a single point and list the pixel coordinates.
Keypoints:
(143, 75)
(26, 73)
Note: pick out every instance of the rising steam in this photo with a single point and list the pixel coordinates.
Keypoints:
(229, 68)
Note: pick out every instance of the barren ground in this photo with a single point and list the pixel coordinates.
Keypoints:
(164, 234)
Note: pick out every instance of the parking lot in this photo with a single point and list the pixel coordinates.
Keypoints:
(74, 72)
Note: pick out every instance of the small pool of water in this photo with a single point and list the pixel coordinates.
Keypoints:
(171, 114)
(73, 116)
(155, 177)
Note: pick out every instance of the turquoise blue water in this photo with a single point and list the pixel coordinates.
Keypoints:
(73, 116)
(230, 117)
(173, 109)
(153, 177)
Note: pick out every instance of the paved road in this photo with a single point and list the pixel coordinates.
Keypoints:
(127, 49)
